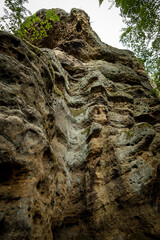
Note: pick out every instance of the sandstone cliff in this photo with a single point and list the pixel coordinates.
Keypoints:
(80, 138)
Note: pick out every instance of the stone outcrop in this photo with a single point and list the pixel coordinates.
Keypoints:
(80, 138)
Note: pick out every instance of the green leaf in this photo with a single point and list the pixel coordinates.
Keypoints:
(100, 2)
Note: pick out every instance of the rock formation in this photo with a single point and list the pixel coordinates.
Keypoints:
(80, 138)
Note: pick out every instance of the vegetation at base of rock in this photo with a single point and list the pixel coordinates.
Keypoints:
(17, 21)
(142, 32)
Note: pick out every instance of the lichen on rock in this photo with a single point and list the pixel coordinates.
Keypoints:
(80, 138)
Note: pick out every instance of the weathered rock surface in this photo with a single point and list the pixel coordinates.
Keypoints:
(80, 139)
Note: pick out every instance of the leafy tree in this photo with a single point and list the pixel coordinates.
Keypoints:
(17, 21)
(15, 14)
(142, 34)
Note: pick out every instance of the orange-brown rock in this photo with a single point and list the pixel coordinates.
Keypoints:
(80, 139)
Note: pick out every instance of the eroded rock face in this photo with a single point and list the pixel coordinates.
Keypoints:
(80, 139)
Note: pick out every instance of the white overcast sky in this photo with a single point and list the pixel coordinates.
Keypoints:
(106, 23)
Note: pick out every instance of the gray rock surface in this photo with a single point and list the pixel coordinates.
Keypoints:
(80, 138)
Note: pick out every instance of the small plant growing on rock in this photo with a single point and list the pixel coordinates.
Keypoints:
(17, 21)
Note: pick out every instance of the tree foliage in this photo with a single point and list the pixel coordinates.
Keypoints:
(29, 25)
(19, 21)
(15, 14)
(142, 32)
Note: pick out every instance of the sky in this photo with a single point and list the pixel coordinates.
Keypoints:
(106, 23)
